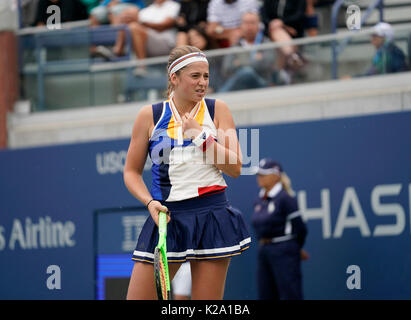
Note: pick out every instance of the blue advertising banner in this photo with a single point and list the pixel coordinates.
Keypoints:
(352, 179)
(116, 234)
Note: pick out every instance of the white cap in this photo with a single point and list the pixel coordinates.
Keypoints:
(384, 30)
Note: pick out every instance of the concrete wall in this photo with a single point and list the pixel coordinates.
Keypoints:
(8, 63)
(9, 15)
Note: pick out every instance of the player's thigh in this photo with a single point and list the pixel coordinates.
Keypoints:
(142, 283)
(141, 286)
(208, 278)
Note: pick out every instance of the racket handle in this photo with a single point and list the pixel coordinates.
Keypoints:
(162, 223)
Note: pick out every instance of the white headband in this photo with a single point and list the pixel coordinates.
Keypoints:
(186, 60)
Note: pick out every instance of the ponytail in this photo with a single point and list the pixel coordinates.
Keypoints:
(286, 182)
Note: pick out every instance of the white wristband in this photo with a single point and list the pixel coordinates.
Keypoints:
(201, 138)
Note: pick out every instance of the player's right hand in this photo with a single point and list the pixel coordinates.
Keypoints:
(154, 208)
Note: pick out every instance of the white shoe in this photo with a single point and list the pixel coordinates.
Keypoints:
(105, 53)
(284, 76)
(140, 72)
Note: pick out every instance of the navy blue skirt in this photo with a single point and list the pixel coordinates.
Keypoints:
(200, 228)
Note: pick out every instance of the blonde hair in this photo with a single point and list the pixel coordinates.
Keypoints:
(174, 55)
(286, 182)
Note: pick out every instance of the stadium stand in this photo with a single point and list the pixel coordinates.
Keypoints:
(45, 58)
(66, 119)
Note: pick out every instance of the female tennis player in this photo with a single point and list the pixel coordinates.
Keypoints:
(191, 141)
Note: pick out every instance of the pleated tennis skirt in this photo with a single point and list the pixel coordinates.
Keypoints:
(201, 228)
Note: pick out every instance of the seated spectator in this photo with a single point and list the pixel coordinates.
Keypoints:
(28, 12)
(192, 13)
(90, 5)
(154, 34)
(388, 57)
(251, 69)
(71, 10)
(224, 19)
(114, 12)
(284, 21)
(197, 37)
(311, 19)
(109, 10)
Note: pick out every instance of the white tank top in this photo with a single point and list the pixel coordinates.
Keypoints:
(179, 170)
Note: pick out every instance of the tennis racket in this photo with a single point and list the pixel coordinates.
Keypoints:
(160, 260)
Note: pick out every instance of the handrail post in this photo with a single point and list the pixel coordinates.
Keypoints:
(381, 8)
(334, 12)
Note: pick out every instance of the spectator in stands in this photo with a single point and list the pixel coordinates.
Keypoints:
(114, 12)
(284, 21)
(155, 34)
(70, 10)
(388, 57)
(90, 4)
(251, 69)
(224, 19)
(28, 12)
(197, 37)
(109, 11)
(193, 13)
(311, 18)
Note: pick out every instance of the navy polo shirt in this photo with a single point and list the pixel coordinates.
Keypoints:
(276, 214)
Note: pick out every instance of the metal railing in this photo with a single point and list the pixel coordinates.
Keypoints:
(338, 48)
(320, 44)
(75, 34)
